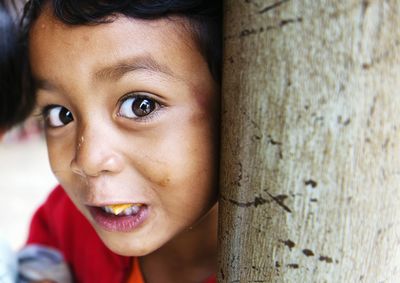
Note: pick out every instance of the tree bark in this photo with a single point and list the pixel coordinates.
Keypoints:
(310, 169)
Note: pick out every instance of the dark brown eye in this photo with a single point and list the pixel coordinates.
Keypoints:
(57, 116)
(143, 106)
(137, 106)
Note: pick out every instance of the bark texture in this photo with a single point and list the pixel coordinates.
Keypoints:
(310, 172)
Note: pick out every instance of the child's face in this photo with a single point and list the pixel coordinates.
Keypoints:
(132, 117)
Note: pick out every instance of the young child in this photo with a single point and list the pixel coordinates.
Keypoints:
(129, 93)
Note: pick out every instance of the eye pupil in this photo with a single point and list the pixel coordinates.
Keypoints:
(143, 107)
(65, 116)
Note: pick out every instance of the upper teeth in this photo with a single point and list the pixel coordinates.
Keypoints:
(122, 209)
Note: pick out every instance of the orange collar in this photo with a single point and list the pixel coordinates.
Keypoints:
(136, 275)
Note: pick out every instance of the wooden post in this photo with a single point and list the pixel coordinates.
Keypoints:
(310, 170)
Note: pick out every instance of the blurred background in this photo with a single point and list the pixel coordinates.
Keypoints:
(25, 180)
(25, 176)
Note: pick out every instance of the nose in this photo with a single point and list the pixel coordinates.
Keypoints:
(95, 154)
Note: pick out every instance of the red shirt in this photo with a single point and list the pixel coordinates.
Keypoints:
(58, 224)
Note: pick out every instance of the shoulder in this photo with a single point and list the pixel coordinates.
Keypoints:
(58, 199)
(59, 224)
(58, 218)
(49, 217)
(57, 213)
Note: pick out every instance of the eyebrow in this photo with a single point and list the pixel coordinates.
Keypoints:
(43, 84)
(118, 70)
(115, 71)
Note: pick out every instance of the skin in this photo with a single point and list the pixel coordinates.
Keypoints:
(166, 159)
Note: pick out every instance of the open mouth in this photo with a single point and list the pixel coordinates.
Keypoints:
(122, 209)
(120, 217)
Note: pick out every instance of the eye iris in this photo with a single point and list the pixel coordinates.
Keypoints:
(65, 116)
(143, 107)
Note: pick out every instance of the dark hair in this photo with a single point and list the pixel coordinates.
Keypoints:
(15, 105)
(205, 17)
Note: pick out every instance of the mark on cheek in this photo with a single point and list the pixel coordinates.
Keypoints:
(165, 181)
(157, 172)
(162, 178)
(207, 99)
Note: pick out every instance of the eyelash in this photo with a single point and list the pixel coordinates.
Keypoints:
(44, 112)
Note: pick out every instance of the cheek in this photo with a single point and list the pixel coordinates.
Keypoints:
(190, 159)
(58, 155)
(60, 159)
(178, 156)
(56, 160)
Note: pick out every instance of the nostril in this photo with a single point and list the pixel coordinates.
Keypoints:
(94, 166)
(94, 155)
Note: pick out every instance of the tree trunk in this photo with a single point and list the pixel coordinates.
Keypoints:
(310, 170)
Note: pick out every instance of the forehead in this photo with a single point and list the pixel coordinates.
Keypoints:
(167, 40)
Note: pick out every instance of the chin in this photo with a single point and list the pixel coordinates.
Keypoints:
(125, 245)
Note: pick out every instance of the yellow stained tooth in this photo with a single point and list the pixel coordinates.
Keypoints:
(118, 208)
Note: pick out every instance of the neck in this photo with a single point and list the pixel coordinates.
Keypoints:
(190, 257)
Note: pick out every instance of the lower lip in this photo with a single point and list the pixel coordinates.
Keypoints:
(114, 223)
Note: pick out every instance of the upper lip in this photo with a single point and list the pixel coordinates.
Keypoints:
(98, 193)
(99, 198)
(108, 203)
